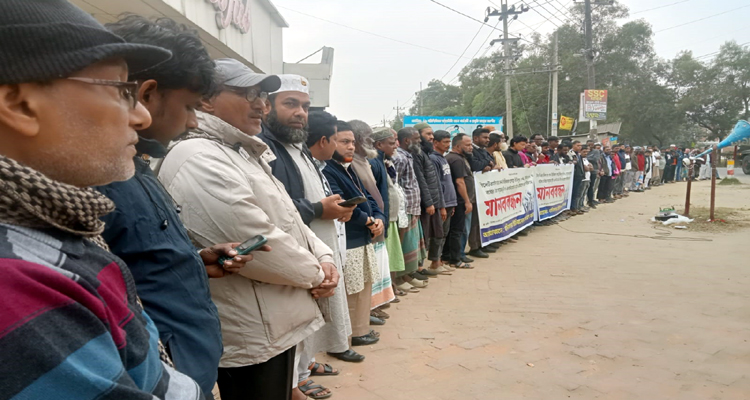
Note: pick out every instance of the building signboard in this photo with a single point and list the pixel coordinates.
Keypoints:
(232, 12)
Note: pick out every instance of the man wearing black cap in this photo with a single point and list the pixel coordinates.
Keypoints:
(71, 321)
(145, 228)
(221, 172)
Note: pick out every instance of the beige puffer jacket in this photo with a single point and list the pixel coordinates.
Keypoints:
(222, 180)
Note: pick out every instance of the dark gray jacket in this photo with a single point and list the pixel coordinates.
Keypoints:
(429, 185)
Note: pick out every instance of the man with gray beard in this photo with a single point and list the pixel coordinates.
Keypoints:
(382, 291)
(284, 133)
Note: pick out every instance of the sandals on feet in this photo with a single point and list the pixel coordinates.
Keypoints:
(327, 369)
(313, 391)
(462, 265)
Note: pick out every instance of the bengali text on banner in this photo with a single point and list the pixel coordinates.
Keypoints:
(505, 203)
(554, 189)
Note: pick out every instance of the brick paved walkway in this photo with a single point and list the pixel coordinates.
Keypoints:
(571, 315)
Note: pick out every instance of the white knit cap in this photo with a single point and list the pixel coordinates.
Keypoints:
(294, 83)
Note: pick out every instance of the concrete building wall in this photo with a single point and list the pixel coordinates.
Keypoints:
(260, 47)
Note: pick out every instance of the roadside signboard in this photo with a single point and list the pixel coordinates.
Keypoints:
(595, 104)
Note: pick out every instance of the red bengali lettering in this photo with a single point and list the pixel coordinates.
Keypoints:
(503, 204)
(550, 191)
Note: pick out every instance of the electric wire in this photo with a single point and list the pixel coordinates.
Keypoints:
(744, 28)
(659, 7)
(464, 15)
(366, 32)
(702, 19)
(462, 53)
(545, 17)
(567, 9)
(717, 52)
(549, 3)
(475, 54)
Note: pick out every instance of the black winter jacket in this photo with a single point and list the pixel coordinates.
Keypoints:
(429, 185)
(513, 159)
(285, 169)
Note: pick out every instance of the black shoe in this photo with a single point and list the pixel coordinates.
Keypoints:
(467, 260)
(418, 275)
(376, 321)
(479, 254)
(427, 272)
(348, 356)
(364, 340)
(488, 249)
(495, 245)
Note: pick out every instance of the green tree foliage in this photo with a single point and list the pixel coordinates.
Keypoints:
(437, 99)
(658, 101)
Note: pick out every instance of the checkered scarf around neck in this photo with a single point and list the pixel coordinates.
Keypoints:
(30, 199)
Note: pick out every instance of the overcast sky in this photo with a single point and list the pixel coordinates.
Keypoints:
(371, 73)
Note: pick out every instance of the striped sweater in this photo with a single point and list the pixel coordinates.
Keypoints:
(71, 327)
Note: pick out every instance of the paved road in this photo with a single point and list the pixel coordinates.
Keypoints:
(563, 315)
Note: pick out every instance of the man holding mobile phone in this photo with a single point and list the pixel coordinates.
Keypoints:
(367, 222)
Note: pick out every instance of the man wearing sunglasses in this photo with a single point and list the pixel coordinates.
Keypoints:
(221, 172)
(170, 274)
(71, 325)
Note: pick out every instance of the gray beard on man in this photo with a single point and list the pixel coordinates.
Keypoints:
(414, 148)
(368, 153)
(283, 133)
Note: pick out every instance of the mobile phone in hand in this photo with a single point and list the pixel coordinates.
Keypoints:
(353, 201)
(246, 247)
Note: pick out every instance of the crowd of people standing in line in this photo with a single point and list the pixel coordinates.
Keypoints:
(121, 212)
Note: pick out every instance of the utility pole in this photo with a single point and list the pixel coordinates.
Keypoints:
(590, 62)
(554, 89)
(420, 98)
(506, 51)
(504, 14)
(398, 113)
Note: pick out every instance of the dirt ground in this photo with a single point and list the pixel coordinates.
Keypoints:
(656, 313)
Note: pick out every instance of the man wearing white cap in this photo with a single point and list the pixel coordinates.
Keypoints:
(285, 133)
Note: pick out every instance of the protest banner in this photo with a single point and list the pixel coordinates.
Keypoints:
(455, 125)
(554, 189)
(505, 203)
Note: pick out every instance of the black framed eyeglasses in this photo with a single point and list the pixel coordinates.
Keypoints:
(250, 94)
(128, 90)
